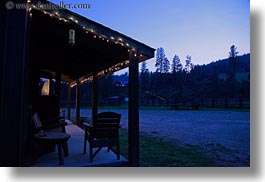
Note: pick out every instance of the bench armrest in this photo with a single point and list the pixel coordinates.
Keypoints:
(87, 125)
(56, 125)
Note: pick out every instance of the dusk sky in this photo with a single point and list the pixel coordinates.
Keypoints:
(203, 29)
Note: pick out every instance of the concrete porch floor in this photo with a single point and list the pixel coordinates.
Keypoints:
(76, 157)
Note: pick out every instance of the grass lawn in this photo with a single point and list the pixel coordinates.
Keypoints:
(155, 152)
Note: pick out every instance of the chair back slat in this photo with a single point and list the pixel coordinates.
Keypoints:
(37, 122)
(106, 125)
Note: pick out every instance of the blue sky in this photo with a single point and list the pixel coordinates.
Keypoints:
(203, 29)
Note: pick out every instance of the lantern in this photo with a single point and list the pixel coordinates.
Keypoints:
(71, 37)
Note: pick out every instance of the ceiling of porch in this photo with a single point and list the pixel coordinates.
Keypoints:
(97, 49)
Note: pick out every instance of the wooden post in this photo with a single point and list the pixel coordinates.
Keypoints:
(69, 103)
(133, 111)
(50, 86)
(77, 100)
(94, 96)
(58, 90)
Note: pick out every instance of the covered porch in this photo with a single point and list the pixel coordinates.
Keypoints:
(62, 46)
(76, 157)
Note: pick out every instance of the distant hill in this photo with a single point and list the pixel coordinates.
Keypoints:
(218, 67)
(221, 66)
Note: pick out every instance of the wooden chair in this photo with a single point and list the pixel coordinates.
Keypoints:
(56, 127)
(103, 132)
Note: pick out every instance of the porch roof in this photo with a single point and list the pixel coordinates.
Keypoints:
(98, 49)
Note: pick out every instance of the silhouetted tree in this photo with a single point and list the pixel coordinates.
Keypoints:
(232, 62)
(160, 58)
(176, 65)
(233, 52)
(189, 66)
(166, 66)
(144, 67)
(106, 86)
(231, 82)
(144, 76)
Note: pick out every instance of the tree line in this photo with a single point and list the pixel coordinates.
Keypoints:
(223, 83)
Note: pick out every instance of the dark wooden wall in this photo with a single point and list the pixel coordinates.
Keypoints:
(14, 76)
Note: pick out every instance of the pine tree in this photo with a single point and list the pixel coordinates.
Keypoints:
(144, 67)
(189, 66)
(176, 65)
(232, 62)
(160, 57)
(233, 53)
(144, 77)
(232, 71)
(166, 66)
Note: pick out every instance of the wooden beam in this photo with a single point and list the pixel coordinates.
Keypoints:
(58, 78)
(69, 102)
(133, 111)
(77, 100)
(50, 86)
(94, 96)
(35, 88)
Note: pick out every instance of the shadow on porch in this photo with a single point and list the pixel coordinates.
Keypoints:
(76, 157)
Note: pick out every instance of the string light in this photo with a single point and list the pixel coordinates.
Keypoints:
(108, 39)
(120, 40)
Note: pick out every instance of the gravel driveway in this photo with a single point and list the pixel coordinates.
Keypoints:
(222, 135)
